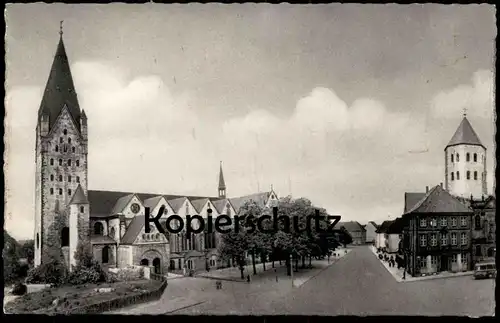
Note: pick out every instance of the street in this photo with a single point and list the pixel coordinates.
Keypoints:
(356, 285)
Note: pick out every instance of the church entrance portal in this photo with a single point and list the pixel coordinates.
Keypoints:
(157, 265)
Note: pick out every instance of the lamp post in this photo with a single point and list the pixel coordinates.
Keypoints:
(291, 268)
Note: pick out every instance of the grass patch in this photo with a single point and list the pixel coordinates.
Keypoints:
(73, 297)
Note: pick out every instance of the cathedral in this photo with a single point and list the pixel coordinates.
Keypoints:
(112, 223)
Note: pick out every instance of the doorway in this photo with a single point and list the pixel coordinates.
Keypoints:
(444, 263)
(157, 265)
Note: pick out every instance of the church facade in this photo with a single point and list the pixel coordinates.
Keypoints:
(112, 223)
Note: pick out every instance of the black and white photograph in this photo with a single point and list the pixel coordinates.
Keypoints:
(250, 159)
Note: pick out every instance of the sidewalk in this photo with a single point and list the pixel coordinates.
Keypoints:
(398, 273)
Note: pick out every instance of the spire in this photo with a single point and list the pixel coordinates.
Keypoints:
(465, 135)
(60, 89)
(79, 196)
(222, 184)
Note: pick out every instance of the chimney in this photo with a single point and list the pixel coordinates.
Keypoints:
(441, 184)
(427, 189)
(482, 198)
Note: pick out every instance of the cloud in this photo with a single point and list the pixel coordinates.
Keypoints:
(353, 159)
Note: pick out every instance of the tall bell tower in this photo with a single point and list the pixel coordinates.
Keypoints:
(61, 157)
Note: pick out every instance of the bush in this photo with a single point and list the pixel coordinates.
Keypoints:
(127, 274)
(51, 272)
(19, 289)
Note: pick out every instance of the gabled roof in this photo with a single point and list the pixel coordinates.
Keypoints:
(384, 226)
(199, 204)
(351, 226)
(152, 202)
(259, 198)
(465, 135)
(411, 199)
(59, 90)
(79, 196)
(103, 202)
(439, 200)
(122, 203)
(177, 203)
(220, 205)
(133, 229)
(374, 224)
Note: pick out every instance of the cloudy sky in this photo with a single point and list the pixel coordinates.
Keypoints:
(347, 105)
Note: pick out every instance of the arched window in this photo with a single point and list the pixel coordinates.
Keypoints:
(51, 191)
(451, 157)
(65, 132)
(60, 178)
(51, 162)
(477, 222)
(105, 255)
(479, 252)
(452, 176)
(60, 191)
(98, 228)
(69, 162)
(458, 157)
(57, 148)
(157, 236)
(73, 149)
(78, 179)
(69, 191)
(65, 237)
(475, 157)
(467, 157)
(60, 162)
(82, 209)
(51, 178)
(157, 265)
(112, 232)
(69, 140)
(475, 175)
(468, 174)
(37, 240)
(69, 178)
(458, 176)
(77, 162)
(65, 148)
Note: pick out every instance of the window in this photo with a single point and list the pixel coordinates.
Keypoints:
(475, 157)
(463, 221)
(65, 132)
(423, 262)
(423, 222)
(452, 176)
(475, 175)
(454, 222)
(477, 222)
(172, 265)
(190, 264)
(65, 148)
(60, 191)
(69, 178)
(51, 191)
(467, 157)
(157, 236)
(51, 178)
(433, 239)
(60, 178)
(479, 251)
(98, 228)
(78, 179)
(468, 174)
(143, 236)
(51, 162)
(61, 140)
(444, 239)
(434, 260)
(73, 149)
(57, 148)
(443, 222)
(458, 176)
(434, 222)
(463, 238)
(60, 162)
(166, 210)
(451, 158)
(37, 240)
(454, 258)
(105, 255)
(69, 140)
(453, 239)
(77, 162)
(212, 263)
(69, 162)
(458, 158)
(423, 240)
(69, 191)
(65, 237)
(82, 209)
(464, 259)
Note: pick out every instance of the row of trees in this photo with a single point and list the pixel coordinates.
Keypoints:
(280, 244)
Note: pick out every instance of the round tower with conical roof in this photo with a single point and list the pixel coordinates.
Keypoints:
(465, 163)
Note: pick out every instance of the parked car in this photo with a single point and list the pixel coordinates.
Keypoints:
(485, 270)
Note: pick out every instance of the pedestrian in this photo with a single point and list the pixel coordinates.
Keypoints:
(248, 278)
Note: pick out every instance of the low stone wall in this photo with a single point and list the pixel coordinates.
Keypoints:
(33, 288)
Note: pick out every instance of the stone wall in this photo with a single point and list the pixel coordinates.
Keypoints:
(150, 252)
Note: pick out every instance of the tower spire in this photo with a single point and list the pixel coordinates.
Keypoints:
(222, 183)
(465, 112)
(61, 28)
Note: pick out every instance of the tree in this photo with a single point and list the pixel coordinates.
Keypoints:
(234, 245)
(345, 237)
(10, 255)
(28, 250)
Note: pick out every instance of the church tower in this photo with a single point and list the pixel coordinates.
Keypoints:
(465, 163)
(222, 184)
(61, 157)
